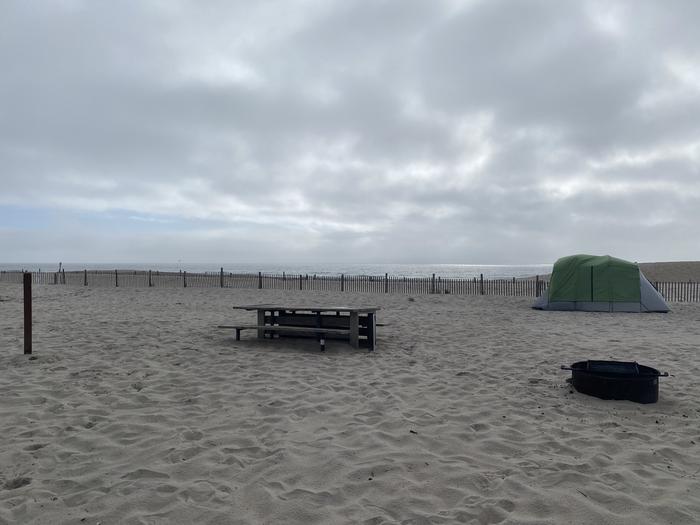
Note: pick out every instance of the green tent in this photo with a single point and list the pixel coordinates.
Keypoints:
(594, 278)
(599, 283)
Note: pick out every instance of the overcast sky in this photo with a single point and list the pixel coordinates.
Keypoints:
(349, 131)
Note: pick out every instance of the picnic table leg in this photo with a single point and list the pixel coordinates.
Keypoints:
(371, 331)
(261, 322)
(319, 336)
(354, 330)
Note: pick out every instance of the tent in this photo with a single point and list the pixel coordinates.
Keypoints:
(599, 284)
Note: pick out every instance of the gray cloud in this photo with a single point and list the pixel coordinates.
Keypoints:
(492, 132)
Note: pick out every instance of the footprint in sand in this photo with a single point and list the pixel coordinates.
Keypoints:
(198, 492)
(192, 435)
(166, 489)
(16, 483)
(186, 454)
(36, 446)
(143, 473)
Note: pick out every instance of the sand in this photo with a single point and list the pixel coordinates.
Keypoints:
(137, 410)
(681, 271)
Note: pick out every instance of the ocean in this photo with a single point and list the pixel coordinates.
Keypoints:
(490, 271)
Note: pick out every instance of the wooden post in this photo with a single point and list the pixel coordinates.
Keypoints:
(481, 284)
(85, 277)
(221, 277)
(55, 278)
(184, 279)
(342, 282)
(537, 285)
(27, 281)
(259, 280)
(432, 284)
(300, 281)
(63, 275)
(150, 279)
(386, 283)
(116, 278)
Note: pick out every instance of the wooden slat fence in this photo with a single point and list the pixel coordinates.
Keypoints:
(672, 291)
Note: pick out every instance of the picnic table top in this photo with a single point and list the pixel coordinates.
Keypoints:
(308, 308)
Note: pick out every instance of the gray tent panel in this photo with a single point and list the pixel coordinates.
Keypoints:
(588, 306)
(651, 299)
(541, 302)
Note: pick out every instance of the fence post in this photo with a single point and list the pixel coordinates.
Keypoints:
(432, 284)
(386, 283)
(342, 282)
(481, 283)
(55, 277)
(63, 275)
(85, 277)
(27, 278)
(300, 281)
(184, 279)
(150, 282)
(537, 285)
(221, 277)
(116, 278)
(259, 280)
(442, 290)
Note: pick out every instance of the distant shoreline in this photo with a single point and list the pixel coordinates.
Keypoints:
(671, 271)
(445, 271)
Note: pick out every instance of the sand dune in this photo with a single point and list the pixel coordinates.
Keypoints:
(136, 410)
(672, 271)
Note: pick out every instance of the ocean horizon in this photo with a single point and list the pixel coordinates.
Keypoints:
(489, 271)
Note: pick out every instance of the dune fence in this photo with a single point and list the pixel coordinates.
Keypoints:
(530, 287)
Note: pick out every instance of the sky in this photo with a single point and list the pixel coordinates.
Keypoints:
(371, 131)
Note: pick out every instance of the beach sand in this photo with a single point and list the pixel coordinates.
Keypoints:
(680, 271)
(138, 410)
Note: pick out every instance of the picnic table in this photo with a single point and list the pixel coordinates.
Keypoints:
(357, 325)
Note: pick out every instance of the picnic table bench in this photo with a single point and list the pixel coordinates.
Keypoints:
(357, 325)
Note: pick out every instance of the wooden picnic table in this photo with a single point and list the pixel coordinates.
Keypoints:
(357, 325)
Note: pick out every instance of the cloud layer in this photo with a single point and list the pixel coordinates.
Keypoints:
(308, 130)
